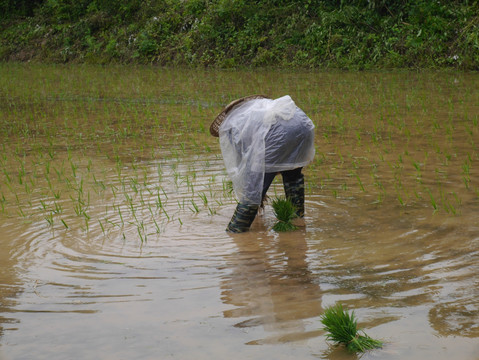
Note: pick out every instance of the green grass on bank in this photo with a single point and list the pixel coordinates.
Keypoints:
(356, 34)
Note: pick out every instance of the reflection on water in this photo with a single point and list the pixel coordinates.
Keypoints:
(113, 209)
(10, 285)
(271, 286)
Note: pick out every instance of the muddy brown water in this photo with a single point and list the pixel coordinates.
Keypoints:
(112, 242)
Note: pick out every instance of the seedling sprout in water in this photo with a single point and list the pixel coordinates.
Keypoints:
(285, 212)
(342, 329)
(56, 152)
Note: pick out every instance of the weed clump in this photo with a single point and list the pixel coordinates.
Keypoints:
(342, 329)
(285, 212)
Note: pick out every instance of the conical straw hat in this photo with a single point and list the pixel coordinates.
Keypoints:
(215, 125)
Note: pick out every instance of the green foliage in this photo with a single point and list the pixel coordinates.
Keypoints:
(227, 33)
(342, 328)
(284, 211)
(282, 226)
(18, 8)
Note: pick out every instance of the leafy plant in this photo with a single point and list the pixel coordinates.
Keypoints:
(356, 34)
(342, 329)
(285, 212)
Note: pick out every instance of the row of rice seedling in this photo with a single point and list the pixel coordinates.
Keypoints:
(134, 138)
(409, 148)
(77, 151)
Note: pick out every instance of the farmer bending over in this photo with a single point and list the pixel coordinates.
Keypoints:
(259, 138)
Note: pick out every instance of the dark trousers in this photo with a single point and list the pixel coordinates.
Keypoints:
(289, 176)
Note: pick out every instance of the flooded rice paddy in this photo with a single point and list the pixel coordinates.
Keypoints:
(114, 201)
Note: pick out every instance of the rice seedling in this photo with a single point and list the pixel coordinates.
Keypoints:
(341, 327)
(433, 200)
(204, 198)
(285, 212)
(116, 141)
(64, 224)
(195, 208)
(49, 219)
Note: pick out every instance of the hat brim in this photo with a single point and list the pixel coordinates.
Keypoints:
(215, 125)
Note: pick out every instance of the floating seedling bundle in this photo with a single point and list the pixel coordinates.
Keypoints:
(342, 328)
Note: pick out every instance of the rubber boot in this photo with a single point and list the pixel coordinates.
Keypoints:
(294, 191)
(242, 218)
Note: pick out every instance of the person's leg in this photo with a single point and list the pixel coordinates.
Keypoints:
(244, 214)
(242, 218)
(268, 179)
(293, 181)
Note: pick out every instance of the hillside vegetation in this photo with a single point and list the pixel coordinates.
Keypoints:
(357, 34)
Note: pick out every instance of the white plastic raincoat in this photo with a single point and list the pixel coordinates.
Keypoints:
(264, 136)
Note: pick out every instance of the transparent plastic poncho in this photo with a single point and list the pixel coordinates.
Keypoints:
(264, 136)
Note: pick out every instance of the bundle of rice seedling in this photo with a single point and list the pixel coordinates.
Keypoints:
(285, 211)
(342, 329)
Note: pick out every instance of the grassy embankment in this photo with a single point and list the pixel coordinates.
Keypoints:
(356, 34)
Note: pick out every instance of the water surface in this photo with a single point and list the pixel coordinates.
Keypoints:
(114, 202)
